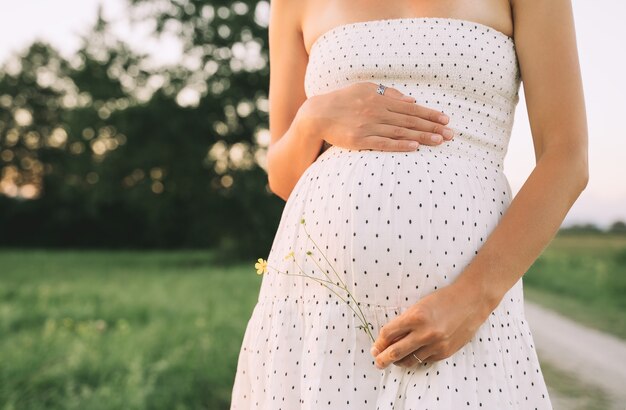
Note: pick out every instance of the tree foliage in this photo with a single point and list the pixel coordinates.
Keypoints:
(106, 150)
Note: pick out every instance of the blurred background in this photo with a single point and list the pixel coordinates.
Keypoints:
(134, 204)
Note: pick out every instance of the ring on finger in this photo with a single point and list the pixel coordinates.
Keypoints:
(418, 359)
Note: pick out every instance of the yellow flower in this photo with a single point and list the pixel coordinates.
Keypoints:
(261, 266)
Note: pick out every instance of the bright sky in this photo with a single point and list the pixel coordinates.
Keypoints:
(600, 32)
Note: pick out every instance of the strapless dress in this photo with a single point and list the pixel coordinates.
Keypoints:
(394, 227)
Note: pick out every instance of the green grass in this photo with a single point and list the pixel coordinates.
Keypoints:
(162, 330)
(583, 277)
(123, 330)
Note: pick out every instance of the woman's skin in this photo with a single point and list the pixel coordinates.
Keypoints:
(357, 117)
(442, 322)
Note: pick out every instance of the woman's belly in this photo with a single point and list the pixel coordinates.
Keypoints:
(390, 226)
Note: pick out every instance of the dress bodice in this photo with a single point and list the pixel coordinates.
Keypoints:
(465, 69)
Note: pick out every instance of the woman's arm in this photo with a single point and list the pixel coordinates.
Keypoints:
(546, 47)
(443, 321)
(293, 146)
(291, 154)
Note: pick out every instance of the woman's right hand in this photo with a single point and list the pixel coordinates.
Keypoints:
(357, 117)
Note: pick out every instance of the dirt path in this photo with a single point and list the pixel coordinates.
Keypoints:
(593, 357)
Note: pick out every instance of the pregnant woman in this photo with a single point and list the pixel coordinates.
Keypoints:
(427, 239)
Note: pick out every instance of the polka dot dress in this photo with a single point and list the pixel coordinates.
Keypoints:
(394, 227)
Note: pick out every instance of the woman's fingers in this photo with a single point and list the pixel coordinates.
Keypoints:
(403, 134)
(410, 361)
(403, 113)
(417, 110)
(397, 351)
(378, 143)
(387, 335)
(418, 124)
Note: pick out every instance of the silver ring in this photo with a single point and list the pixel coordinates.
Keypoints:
(381, 89)
(418, 359)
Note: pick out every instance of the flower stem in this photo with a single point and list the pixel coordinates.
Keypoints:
(318, 248)
(336, 274)
(361, 317)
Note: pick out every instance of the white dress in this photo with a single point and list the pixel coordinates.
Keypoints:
(395, 226)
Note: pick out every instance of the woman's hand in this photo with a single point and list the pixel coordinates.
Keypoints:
(357, 117)
(434, 328)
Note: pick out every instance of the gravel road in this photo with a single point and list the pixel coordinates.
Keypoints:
(593, 357)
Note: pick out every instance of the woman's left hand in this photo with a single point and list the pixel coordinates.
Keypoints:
(434, 328)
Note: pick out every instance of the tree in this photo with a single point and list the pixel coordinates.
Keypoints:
(618, 227)
(128, 155)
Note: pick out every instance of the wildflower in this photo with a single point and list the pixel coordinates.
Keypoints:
(261, 266)
(328, 282)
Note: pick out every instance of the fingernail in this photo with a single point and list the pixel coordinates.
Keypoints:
(374, 351)
(444, 118)
(448, 133)
(435, 138)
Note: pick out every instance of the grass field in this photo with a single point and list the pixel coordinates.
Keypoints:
(162, 330)
(122, 330)
(583, 277)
